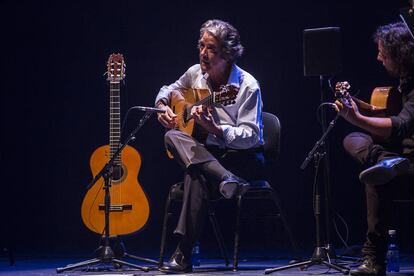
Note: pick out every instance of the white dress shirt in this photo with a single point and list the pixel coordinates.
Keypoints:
(241, 122)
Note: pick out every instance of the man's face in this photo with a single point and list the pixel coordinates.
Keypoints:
(211, 60)
(386, 60)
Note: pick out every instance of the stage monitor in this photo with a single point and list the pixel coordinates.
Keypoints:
(322, 51)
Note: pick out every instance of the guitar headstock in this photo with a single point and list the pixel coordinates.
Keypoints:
(116, 68)
(227, 95)
(342, 92)
(342, 87)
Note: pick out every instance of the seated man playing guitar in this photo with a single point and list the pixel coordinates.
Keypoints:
(389, 166)
(227, 135)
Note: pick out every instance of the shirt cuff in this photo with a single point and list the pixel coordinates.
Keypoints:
(228, 135)
(161, 101)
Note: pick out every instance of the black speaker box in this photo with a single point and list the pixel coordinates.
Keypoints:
(322, 51)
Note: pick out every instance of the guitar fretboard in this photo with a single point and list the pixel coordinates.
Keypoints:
(206, 101)
(114, 119)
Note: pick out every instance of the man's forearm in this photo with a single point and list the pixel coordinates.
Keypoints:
(375, 125)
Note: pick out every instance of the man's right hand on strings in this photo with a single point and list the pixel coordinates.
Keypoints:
(202, 116)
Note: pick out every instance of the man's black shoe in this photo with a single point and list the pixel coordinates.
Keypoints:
(369, 268)
(178, 264)
(384, 171)
(232, 185)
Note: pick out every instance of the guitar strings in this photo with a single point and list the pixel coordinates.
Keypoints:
(209, 99)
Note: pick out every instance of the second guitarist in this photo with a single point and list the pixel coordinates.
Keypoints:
(216, 164)
(388, 167)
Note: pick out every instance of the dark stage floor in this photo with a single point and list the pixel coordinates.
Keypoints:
(47, 266)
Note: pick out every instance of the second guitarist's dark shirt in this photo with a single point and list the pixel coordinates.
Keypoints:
(403, 123)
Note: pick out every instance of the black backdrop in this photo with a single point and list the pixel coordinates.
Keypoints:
(55, 104)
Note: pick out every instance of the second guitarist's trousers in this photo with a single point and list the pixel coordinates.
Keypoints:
(379, 198)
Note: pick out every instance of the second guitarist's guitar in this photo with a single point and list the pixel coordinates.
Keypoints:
(385, 102)
(129, 209)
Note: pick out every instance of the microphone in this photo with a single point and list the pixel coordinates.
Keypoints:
(150, 109)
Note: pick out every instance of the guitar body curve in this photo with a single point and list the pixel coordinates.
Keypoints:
(183, 100)
(181, 103)
(129, 210)
(387, 98)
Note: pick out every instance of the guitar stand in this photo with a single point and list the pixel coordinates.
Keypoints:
(330, 250)
(110, 255)
(106, 254)
(120, 251)
(320, 255)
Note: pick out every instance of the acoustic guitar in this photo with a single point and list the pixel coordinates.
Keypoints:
(384, 102)
(129, 209)
(182, 101)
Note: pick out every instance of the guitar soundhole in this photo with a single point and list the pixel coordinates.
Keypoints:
(117, 173)
(186, 114)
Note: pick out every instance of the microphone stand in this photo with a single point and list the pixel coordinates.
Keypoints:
(107, 255)
(320, 254)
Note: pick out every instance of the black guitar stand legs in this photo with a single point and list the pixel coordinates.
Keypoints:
(120, 251)
(110, 255)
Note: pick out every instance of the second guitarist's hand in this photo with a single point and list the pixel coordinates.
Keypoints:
(379, 126)
(204, 118)
(348, 112)
(168, 119)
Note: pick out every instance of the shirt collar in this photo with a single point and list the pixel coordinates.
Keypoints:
(235, 77)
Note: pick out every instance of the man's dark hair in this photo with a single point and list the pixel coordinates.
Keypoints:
(398, 45)
(227, 36)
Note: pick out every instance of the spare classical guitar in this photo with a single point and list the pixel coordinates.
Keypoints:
(129, 209)
(182, 101)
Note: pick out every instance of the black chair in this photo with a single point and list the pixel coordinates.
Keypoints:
(259, 189)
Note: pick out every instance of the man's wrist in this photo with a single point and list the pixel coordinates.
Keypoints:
(160, 103)
(219, 132)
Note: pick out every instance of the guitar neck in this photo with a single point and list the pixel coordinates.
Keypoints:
(207, 101)
(114, 118)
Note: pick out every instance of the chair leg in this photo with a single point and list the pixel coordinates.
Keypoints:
(285, 224)
(219, 236)
(164, 230)
(236, 234)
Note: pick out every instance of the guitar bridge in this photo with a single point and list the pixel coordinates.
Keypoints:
(116, 207)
